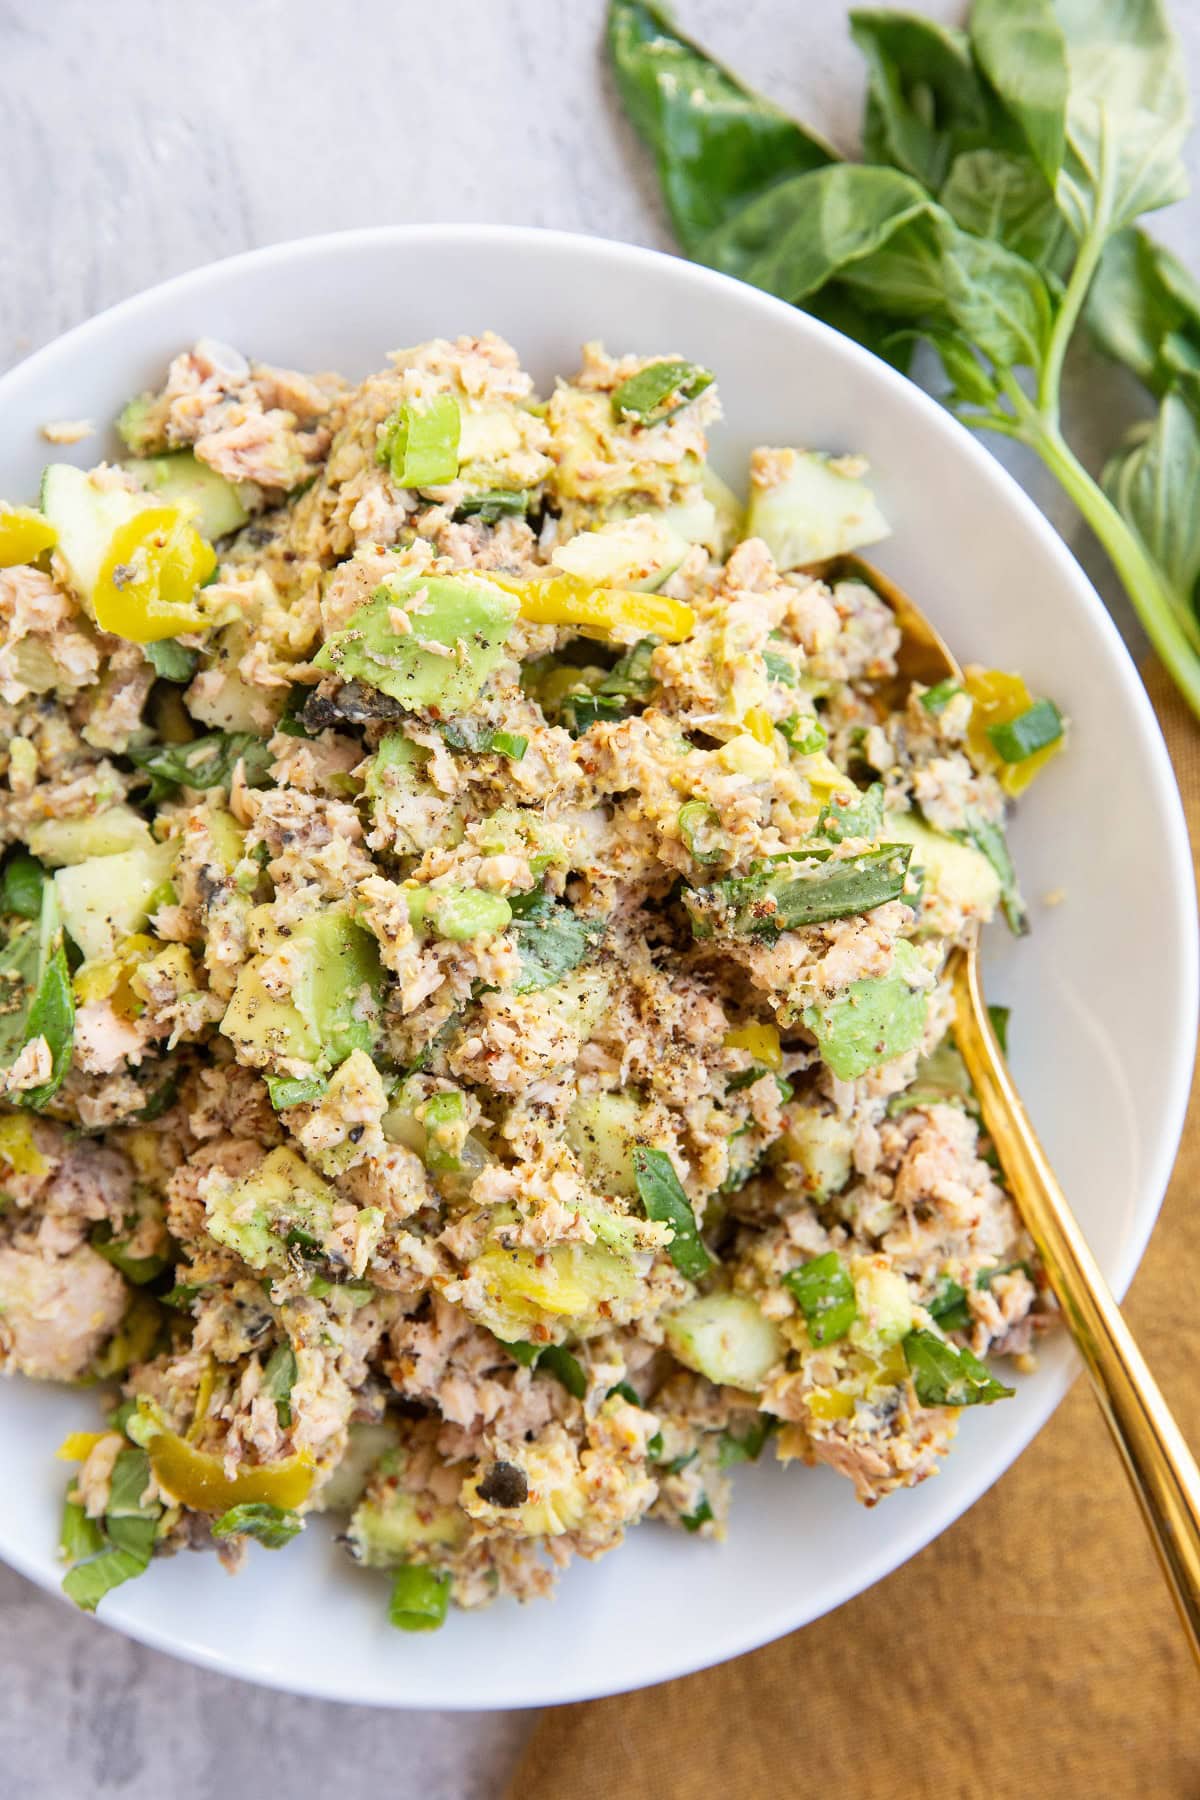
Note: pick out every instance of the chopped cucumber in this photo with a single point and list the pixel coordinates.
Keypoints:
(811, 511)
(215, 505)
(60, 842)
(635, 553)
(726, 1337)
(85, 517)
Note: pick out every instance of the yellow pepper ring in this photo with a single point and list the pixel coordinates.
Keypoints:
(24, 534)
(566, 600)
(998, 697)
(761, 1041)
(148, 579)
(198, 1480)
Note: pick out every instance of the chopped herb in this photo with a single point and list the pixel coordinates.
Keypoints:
(290, 722)
(88, 1582)
(804, 733)
(272, 1526)
(566, 1368)
(295, 1090)
(551, 940)
(990, 841)
(780, 668)
(626, 1391)
(748, 1446)
(38, 998)
(701, 1516)
(657, 392)
(78, 1536)
(278, 1380)
(476, 736)
(180, 1297)
(806, 888)
(949, 1307)
(824, 1292)
(522, 1351)
(944, 1375)
(985, 1277)
(666, 1203)
(206, 762)
(21, 884)
(1035, 729)
(161, 1100)
(137, 1269)
(937, 698)
(654, 1446)
(861, 816)
(678, 1464)
(419, 1598)
(584, 709)
(171, 660)
(1000, 1015)
(419, 443)
(494, 504)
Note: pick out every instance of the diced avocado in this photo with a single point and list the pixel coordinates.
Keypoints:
(602, 1130)
(58, 842)
(725, 1337)
(811, 511)
(885, 1307)
(216, 506)
(564, 1286)
(820, 1144)
(958, 878)
(85, 517)
(873, 1021)
(282, 1199)
(457, 914)
(598, 459)
(228, 837)
(107, 898)
(334, 1005)
(368, 1440)
(390, 1523)
(730, 514)
(458, 628)
(639, 552)
(137, 425)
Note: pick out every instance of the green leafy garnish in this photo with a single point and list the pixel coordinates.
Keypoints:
(666, 1203)
(419, 442)
(872, 1021)
(419, 1598)
(991, 842)
(21, 884)
(1000, 1015)
(746, 1446)
(78, 1535)
(860, 816)
(701, 1516)
(551, 939)
(137, 1269)
(1005, 167)
(945, 1375)
(36, 998)
(985, 1277)
(660, 390)
(780, 668)
(567, 1369)
(206, 762)
(626, 1391)
(272, 1526)
(824, 1292)
(278, 1380)
(807, 887)
(493, 504)
(171, 659)
(129, 1530)
(804, 733)
(475, 735)
(949, 1307)
(937, 698)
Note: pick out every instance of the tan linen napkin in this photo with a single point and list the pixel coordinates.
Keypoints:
(1032, 1650)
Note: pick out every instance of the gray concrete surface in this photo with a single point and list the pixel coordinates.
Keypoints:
(139, 139)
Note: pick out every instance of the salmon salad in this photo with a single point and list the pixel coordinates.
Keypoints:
(476, 1049)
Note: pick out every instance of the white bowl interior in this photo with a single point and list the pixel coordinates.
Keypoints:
(1103, 992)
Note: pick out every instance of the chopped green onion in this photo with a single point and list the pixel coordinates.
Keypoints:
(808, 888)
(278, 1380)
(522, 1351)
(419, 442)
(660, 390)
(701, 1516)
(494, 504)
(21, 885)
(419, 1598)
(825, 1295)
(666, 1203)
(626, 1391)
(272, 1526)
(748, 1446)
(1035, 729)
(780, 668)
(170, 660)
(698, 821)
(295, 1090)
(510, 744)
(477, 736)
(804, 733)
(937, 698)
(860, 817)
(946, 1376)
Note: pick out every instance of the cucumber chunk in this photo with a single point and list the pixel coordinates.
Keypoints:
(807, 510)
(727, 1338)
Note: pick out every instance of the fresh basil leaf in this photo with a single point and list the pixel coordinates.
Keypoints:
(21, 885)
(133, 1533)
(1143, 309)
(924, 96)
(627, 1392)
(997, 300)
(137, 1269)
(716, 143)
(1000, 1015)
(1154, 480)
(949, 1307)
(272, 1526)
(985, 1277)
(999, 194)
(206, 762)
(1020, 47)
(78, 1535)
(36, 999)
(859, 817)
(88, 1582)
(946, 1376)
(991, 842)
(824, 1292)
(558, 1361)
(522, 1351)
(666, 1203)
(494, 504)
(748, 1446)
(171, 660)
(551, 940)
(130, 1479)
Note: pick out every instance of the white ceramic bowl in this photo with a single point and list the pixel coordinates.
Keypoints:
(1104, 992)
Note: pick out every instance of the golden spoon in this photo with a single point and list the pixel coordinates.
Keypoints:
(1157, 1460)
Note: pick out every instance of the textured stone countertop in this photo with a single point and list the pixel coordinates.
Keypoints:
(140, 140)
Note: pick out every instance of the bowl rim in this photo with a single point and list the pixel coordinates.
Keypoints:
(735, 1640)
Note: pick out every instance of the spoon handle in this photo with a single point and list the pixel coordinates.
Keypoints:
(1159, 1464)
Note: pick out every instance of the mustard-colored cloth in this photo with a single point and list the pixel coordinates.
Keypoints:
(1031, 1651)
